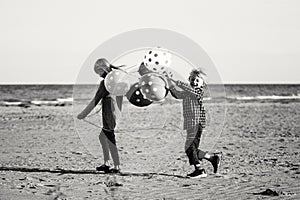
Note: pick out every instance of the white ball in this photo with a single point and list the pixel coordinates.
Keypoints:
(153, 86)
(157, 56)
(118, 82)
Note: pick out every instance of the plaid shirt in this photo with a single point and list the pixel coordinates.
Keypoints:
(193, 109)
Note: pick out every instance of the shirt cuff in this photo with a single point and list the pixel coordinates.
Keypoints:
(171, 87)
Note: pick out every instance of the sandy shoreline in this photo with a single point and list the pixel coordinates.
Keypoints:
(260, 144)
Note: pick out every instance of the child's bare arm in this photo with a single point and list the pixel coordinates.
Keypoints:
(175, 93)
(101, 92)
(87, 109)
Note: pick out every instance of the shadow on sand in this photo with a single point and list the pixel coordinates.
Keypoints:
(71, 171)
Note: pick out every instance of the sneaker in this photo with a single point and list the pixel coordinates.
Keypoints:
(103, 168)
(114, 171)
(215, 161)
(198, 173)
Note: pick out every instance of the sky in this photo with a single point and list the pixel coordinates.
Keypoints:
(249, 41)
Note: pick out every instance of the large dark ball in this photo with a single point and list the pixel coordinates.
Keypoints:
(135, 96)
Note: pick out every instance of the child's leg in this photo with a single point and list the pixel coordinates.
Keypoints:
(111, 140)
(191, 146)
(214, 159)
(201, 154)
(104, 145)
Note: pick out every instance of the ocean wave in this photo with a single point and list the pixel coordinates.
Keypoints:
(259, 98)
(69, 101)
(37, 102)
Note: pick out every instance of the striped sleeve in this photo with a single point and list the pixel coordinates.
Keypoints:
(177, 94)
(195, 91)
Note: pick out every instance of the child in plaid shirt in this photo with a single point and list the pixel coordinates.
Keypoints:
(194, 121)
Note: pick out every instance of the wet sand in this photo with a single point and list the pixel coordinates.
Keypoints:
(43, 157)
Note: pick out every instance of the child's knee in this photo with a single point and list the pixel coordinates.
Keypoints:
(102, 136)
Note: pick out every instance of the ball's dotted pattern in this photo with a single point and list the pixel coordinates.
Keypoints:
(161, 70)
(136, 97)
(166, 73)
(152, 78)
(118, 82)
(157, 57)
(153, 86)
(170, 74)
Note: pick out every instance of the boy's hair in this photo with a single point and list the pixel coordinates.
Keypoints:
(197, 72)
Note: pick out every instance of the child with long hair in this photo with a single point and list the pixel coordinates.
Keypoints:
(110, 105)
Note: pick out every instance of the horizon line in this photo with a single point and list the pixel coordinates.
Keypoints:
(228, 83)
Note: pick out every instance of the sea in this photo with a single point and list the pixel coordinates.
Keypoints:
(65, 95)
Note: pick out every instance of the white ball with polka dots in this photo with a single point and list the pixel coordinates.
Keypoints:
(118, 82)
(153, 86)
(157, 56)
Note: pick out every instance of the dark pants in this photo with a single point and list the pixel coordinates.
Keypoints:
(107, 136)
(192, 142)
(108, 143)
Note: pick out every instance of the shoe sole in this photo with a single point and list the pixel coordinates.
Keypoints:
(200, 176)
(103, 170)
(113, 172)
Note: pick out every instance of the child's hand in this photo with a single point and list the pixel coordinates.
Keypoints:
(170, 82)
(81, 116)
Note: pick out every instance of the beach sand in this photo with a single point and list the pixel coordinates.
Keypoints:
(43, 157)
